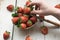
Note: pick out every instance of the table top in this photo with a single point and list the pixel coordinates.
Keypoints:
(6, 23)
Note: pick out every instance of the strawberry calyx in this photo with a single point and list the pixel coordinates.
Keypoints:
(18, 23)
(29, 21)
(7, 32)
(16, 8)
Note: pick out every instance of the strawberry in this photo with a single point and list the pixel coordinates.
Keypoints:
(33, 19)
(28, 38)
(29, 23)
(15, 15)
(41, 18)
(20, 10)
(27, 10)
(6, 35)
(10, 7)
(15, 20)
(23, 25)
(24, 19)
(20, 14)
(28, 3)
(44, 30)
(57, 6)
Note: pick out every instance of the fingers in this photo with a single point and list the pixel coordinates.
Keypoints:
(37, 7)
(40, 12)
(34, 3)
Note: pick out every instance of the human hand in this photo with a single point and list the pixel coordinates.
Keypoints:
(42, 8)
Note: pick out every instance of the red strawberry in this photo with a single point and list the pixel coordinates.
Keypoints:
(29, 23)
(6, 35)
(28, 3)
(24, 19)
(20, 14)
(57, 6)
(27, 10)
(15, 20)
(44, 30)
(28, 38)
(10, 7)
(23, 25)
(33, 19)
(41, 18)
(20, 10)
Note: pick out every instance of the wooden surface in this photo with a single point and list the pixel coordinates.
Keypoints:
(6, 23)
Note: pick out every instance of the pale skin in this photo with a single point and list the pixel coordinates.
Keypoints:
(44, 9)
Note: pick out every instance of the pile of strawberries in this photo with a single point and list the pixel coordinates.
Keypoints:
(22, 17)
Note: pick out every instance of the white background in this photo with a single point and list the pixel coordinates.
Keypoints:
(6, 23)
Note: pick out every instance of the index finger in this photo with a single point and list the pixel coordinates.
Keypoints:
(34, 3)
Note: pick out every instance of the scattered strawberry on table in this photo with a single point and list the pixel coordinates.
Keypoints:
(28, 37)
(6, 35)
(44, 30)
(10, 8)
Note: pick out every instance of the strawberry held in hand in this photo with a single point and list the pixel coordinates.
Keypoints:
(27, 10)
(28, 3)
(44, 30)
(6, 35)
(10, 7)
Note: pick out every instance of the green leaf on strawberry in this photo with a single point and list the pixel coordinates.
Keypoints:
(18, 23)
(31, 7)
(15, 15)
(16, 8)
(29, 23)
